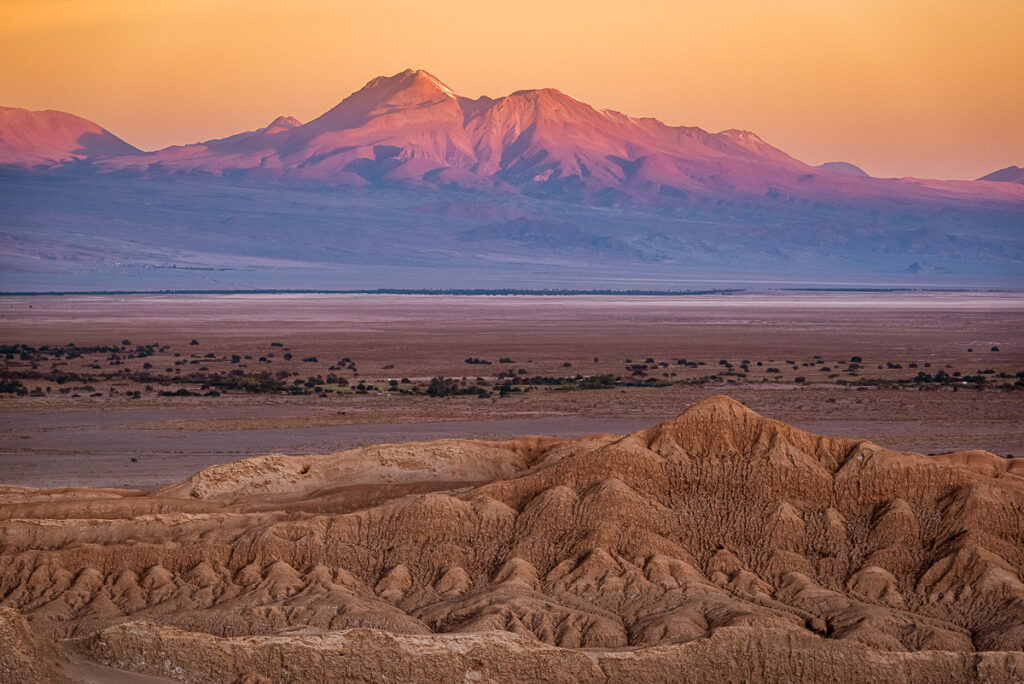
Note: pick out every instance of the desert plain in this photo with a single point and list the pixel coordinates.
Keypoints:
(60, 438)
(444, 488)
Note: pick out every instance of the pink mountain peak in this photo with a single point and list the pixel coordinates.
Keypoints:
(284, 122)
(411, 80)
(544, 94)
(407, 90)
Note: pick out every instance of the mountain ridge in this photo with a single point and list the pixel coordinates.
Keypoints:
(412, 129)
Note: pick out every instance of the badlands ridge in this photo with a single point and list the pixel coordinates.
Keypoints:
(720, 545)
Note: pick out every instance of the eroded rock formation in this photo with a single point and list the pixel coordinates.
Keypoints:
(715, 535)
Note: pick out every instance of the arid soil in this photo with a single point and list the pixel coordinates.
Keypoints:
(719, 541)
(87, 432)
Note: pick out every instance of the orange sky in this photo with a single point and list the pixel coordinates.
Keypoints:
(931, 88)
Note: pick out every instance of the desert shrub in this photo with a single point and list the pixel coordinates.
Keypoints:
(445, 387)
(13, 387)
(442, 387)
(176, 393)
(597, 382)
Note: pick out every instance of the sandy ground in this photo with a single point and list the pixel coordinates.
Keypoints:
(57, 440)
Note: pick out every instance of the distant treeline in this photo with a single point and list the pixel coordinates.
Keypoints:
(471, 292)
(878, 289)
(497, 292)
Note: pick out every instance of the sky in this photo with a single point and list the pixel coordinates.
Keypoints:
(926, 88)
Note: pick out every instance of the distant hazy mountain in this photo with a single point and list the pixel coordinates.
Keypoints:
(1011, 174)
(412, 129)
(842, 168)
(407, 184)
(30, 138)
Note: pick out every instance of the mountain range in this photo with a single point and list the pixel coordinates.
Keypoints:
(534, 180)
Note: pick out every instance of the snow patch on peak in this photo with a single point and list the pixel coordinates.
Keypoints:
(427, 77)
(440, 86)
(742, 136)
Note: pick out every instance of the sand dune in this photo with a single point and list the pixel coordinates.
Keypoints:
(718, 541)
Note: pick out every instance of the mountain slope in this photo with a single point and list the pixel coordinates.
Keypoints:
(29, 138)
(717, 522)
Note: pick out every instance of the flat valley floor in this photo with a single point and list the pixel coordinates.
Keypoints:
(843, 364)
